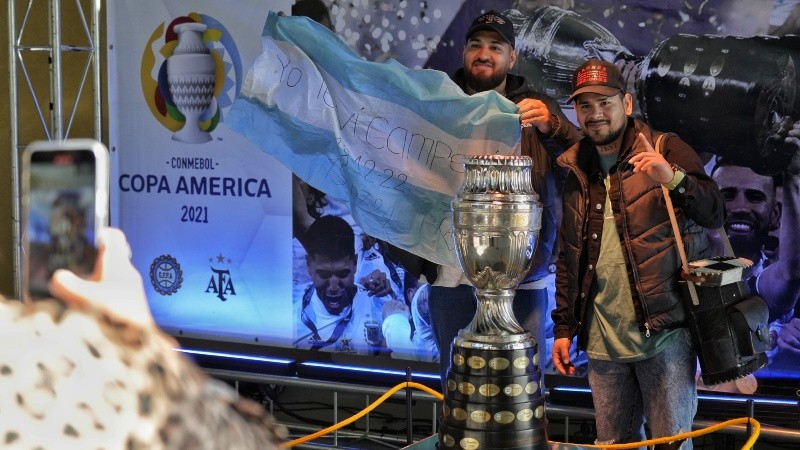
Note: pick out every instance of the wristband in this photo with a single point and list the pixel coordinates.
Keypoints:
(677, 177)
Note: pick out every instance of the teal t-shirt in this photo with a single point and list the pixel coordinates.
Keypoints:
(613, 333)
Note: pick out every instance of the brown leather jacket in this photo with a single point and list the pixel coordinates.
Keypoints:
(644, 230)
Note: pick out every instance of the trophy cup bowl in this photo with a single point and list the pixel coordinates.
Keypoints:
(496, 220)
(493, 396)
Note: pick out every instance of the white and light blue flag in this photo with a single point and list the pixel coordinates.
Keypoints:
(388, 140)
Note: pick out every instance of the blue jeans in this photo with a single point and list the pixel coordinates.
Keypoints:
(453, 309)
(660, 390)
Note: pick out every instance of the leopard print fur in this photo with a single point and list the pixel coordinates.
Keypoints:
(82, 379)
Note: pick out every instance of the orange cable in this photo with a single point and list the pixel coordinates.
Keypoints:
(710, 429)
(364, 412)
(748, 445)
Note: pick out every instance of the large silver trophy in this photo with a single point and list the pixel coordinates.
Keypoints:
(493, 396)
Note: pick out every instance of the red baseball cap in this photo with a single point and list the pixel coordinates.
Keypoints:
(599, 77)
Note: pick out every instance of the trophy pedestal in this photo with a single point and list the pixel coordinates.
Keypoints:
(493, 397)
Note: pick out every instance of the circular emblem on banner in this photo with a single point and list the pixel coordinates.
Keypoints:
(166, 275)
(191, 72)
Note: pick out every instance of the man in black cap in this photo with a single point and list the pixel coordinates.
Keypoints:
(489, 56)
(618, 268)
(314, 10)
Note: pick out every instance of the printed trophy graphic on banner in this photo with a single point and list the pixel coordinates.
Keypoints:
(191, 72)
(695, 84)
(493, 396)
(689, 84)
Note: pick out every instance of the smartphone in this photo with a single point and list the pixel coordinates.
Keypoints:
(64, 203)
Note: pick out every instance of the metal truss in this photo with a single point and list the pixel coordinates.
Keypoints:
(47, 104)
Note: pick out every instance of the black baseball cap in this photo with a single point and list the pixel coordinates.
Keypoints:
(493, 21)
(597, 76)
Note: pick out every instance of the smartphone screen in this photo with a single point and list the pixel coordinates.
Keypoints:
(60, 232)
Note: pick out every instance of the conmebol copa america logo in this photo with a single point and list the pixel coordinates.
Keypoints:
(191, 72)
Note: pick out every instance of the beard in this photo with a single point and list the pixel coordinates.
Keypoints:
(482, 84)
(608, 138)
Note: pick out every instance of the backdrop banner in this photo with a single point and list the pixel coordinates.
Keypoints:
(207, 214)
(212, 106)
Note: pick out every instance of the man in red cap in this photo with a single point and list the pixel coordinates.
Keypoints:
(618, 269)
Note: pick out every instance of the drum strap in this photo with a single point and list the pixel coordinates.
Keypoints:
(677, 232)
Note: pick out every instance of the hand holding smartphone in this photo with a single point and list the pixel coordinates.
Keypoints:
(64, 195)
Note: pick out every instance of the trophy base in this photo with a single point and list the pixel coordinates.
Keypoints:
(493, 395)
